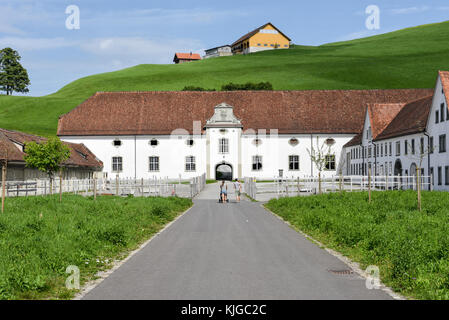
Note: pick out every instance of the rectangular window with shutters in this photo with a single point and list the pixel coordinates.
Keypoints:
(153, 163)
(293, 162)
(442, 112)
(398, 148)
(257, 163)
(442, 146)
(190, 163)
(330, 162)
(446, 175)
(223, 145)
(117, 164)
(431, 146)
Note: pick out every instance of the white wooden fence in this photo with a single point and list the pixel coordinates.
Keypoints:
(282, 187)
(186, 188)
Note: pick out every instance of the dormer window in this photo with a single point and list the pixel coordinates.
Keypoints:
(329, 142)
(117, 143)
(257, 142)
(293, 142)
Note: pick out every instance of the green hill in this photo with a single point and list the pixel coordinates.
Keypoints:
(408, 58)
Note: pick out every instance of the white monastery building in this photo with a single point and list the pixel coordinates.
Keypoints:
(398, 138)
(234, 134)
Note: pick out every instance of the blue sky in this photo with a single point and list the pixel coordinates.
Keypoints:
(118, 34)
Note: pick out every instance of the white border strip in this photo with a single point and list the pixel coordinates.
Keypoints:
(90, 285)
(353, 265)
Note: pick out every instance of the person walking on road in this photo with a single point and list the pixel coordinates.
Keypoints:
(238, 189)
(223, 192)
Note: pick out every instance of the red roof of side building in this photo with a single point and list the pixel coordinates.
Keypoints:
(411, 119)
(291, 112)
(381, 114)
(187, 56)
(12, 142)
(444, 76)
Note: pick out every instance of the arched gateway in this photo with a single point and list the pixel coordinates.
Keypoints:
(223, 171)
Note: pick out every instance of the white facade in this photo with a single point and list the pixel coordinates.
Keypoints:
(403, 154)
(394, 156)
(438, 130)
(222, 141)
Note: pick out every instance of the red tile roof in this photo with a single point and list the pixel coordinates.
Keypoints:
(444, 76)
(381, 114)
(355, 141)
(411, 119)
(187, 56)
(80, 155)
(154, 113)
(255, 31)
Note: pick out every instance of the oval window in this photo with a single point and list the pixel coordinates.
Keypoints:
(330, 141)
(293, 142)
(117, 143)
(154, 142)
(257, 142)
(190, 142)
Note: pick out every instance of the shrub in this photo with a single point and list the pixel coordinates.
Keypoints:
(247, 86)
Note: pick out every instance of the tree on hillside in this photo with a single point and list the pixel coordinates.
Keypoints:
(13, 77)
(47, 157)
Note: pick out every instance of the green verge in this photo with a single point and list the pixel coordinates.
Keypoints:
(411, 248)
(40, 238)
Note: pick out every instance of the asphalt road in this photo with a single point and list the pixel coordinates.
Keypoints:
(231, 251)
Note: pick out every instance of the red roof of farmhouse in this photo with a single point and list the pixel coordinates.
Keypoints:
(187, 56)
(10, 141)
(160, 113)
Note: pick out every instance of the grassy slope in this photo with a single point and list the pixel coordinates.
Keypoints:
(411, 248)
(40, 238)
(407, 58)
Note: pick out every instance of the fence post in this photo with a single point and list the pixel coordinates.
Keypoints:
(116, 185)
(95, 187)
(3, 186)
(369, 185)
(431, 182)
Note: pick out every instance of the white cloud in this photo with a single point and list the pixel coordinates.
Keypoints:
(410, 10)
(125, 51)
(165, 16)
(31, 44)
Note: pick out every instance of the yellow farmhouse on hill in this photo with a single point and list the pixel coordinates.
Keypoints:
(265, 37)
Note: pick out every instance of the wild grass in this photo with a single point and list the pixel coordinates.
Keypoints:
(411, 248)
(40, 238)
(408, 58)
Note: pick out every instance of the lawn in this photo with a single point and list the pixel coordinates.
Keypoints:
(40, 238)
(411, 248)
(408, 58)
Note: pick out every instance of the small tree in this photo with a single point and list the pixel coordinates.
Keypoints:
(320, 157)
(13, 77)
(418, 158)
(47, 157)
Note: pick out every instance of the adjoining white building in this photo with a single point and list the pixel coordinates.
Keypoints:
(221, 51)
(399, 138)
(234, 134)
